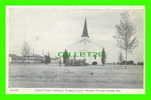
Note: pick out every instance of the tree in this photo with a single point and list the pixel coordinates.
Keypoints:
(121, 58)
(125, 36)
(47, 59)
(103, 58)
(25, 49)
(65, 57)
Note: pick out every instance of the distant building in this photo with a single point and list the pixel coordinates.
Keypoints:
(26, 59)
(56, 60)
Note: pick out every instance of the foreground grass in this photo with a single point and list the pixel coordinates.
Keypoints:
(50, 76)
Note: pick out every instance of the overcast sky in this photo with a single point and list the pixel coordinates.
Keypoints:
(54, 28)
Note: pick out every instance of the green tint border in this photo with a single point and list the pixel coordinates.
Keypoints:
(146, 3)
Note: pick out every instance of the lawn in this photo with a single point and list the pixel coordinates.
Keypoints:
(54, 76)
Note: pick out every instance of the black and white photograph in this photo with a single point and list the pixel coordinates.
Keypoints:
(75, 49)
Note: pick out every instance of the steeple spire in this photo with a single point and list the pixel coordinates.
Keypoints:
(85, 30)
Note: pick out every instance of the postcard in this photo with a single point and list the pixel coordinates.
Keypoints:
(75, 49)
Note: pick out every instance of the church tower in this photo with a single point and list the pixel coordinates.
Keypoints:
(85, 30)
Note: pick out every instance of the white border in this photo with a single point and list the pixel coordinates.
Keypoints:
(71, 90)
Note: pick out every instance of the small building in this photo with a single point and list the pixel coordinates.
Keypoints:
(26, 59)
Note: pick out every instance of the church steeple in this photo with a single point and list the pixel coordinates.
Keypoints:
(85, 30)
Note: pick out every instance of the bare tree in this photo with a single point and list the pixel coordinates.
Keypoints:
(25, 49)
(125, 36)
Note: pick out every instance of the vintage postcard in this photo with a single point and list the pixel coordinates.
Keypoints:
(75, 49)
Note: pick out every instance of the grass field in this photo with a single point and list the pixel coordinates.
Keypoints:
(50, 76)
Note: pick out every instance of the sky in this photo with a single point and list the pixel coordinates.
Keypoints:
(53, 28)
